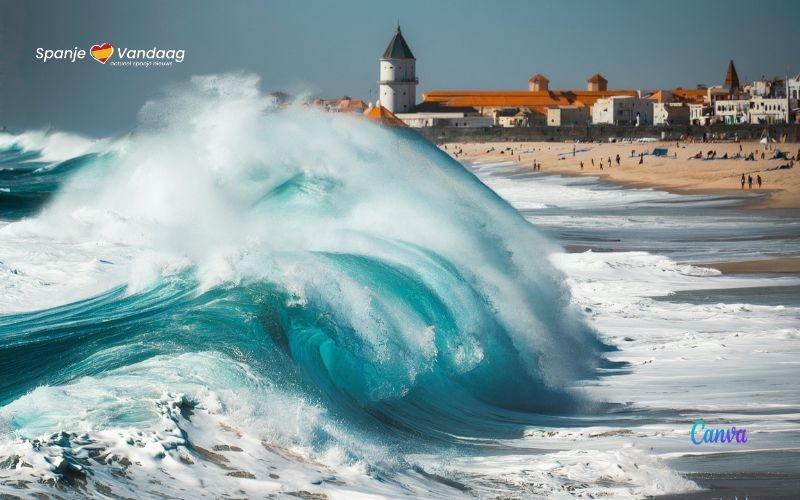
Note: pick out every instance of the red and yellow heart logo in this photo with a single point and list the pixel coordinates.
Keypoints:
(102, 53)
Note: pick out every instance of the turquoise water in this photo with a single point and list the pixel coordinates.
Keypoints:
(343, 294)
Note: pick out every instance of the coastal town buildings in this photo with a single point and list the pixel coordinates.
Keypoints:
(764, 101)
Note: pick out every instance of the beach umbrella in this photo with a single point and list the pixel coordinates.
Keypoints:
(765, 140)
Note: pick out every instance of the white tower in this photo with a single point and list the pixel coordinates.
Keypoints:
(397, 88)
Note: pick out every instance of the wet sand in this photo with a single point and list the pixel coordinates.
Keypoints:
(677, 172)
(779, 265)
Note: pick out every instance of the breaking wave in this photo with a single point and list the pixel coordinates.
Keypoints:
(344, 294)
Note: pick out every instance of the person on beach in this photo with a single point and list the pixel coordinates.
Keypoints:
(641, 158)
(573, 150)
(581, 165)
(618, 159)
(750, 181)
(609, 162)
(743, 181)
(758, 180)
(593, 162)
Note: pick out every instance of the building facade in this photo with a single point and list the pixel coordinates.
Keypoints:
(623, 110)
(699, 114)
(671, 113)
(732, 111)
(568, 116)
(397, 87)
(768, 110)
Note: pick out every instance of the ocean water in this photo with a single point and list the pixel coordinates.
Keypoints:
(242, 300)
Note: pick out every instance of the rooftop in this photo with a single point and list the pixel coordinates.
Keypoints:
(597, 78)
(538, 100)
(384, 116)
(398, 48)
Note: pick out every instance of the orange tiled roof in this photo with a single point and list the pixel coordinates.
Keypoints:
(690, 96)
(694, 96)
(351, 105)
(384, 116)
(538, 101)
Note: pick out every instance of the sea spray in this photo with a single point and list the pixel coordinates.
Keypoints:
(346, 265)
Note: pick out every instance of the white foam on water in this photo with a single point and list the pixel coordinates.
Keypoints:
(203, 423)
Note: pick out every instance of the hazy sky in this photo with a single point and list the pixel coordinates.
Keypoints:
(331, 48)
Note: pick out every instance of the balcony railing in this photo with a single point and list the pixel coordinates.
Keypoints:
(402, 80)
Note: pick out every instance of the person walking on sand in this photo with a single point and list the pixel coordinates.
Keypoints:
(582, 167)
(573, 150)
(743, 181)
(758, 180)
(750, 181)
(641, 158)
(617, 159)
(593, 162)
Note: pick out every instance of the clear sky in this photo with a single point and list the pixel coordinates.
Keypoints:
(331, 48)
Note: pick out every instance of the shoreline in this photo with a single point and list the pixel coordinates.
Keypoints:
(677, 173)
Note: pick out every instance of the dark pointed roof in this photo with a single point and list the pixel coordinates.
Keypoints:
(398, 48)
(597, 78)
(732, 78)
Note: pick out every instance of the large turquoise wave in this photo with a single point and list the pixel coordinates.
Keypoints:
(349, 265)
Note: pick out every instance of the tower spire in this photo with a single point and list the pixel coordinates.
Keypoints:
(731, 77)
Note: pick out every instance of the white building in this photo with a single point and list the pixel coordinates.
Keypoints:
(699, 114)
(793, 88)
(397, 88)
(445, 119)
(671, 113)
(623, 110)
(732, 111)
(769, 110)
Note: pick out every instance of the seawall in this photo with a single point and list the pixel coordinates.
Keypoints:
(440, 135)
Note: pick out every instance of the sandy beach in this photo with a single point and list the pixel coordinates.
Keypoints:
(677, 172)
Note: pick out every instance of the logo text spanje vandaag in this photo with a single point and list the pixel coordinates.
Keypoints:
(118, 56)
